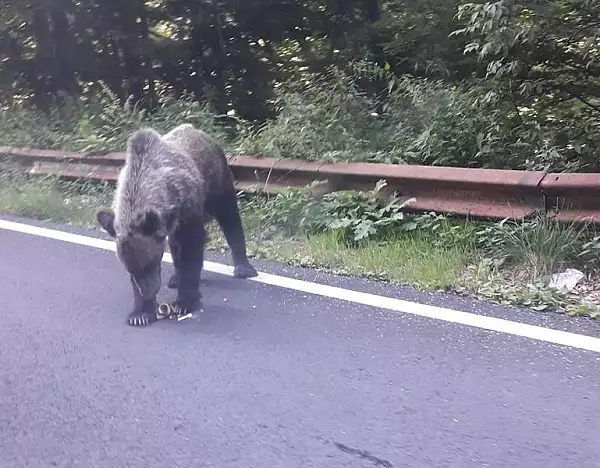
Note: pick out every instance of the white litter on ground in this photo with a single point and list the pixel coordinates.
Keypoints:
(567, 280)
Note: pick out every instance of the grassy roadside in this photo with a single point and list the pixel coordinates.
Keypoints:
(360, 234)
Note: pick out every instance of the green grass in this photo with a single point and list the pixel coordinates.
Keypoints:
(414, 260)
(503, 262)
(537, 247)
(410, 259)
(543, 245)
(47, 198)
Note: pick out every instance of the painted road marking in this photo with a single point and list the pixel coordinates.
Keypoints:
(558, 337)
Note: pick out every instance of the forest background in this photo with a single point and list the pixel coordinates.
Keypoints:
(503, 84)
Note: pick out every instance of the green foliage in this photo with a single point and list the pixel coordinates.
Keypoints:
(100, 123)
(415, 38)
(49, 198)
(538, 246)
(590, 251)
(328, 120)
(414, 121)
(353, 217)
(545, 56)
(442, 231)
(356, 216)
(289, 212)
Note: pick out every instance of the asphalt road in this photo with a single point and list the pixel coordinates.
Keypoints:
(268, 377)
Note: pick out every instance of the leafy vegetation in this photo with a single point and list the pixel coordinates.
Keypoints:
(503, 84)
(49, 198)
(101, 123)
(353, 217)
(538, 246)
(414, 121)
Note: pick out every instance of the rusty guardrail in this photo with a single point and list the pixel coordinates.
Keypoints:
(481, 193)
(99, 166)
(572, 197)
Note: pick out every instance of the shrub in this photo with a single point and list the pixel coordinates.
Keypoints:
(330, 119)
(412, 120)
(354, 217)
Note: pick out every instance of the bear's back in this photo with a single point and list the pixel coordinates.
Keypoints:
(206, 153)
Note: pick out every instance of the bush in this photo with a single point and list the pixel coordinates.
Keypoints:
(410, 120)
(100, 123)
(353, 217)
(329, 119)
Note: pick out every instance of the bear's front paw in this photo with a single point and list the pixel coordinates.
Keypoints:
(144, 315)
(141, 319)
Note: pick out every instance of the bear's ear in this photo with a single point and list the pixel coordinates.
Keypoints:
(149, 222)
(106, 219)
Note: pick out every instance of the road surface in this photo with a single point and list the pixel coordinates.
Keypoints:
(269, 377)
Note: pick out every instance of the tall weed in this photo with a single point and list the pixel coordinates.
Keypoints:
(538, 247)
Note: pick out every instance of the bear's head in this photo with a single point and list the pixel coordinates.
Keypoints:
(141, 244)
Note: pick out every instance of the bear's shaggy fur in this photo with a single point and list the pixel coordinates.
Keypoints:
(169, 187)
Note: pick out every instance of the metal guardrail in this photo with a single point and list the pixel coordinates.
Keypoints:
(480, 193)
(572, 197)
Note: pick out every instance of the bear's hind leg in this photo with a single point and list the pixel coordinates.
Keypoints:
(227, 214)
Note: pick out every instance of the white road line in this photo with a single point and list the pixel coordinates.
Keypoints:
(440, 313)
